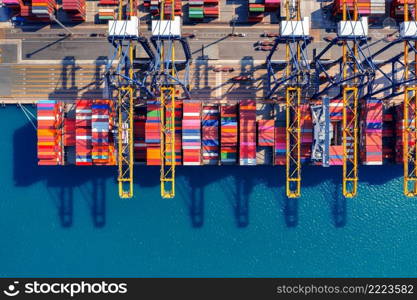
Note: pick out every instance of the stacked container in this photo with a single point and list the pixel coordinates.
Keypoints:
(336, 118)
(272, 5)
(280, 135)
(154, 6)
(191, 133)
(196, 9)
(49, 133)
(371, 153)
(108, 2)
(211, 8)
(365, 7)
(336, 147)
(83, 137)
(211, 134)
(256, 10)
(247, 133)
(105, 14)
(228, 138)
(306, 124)
(43, 8)
(388, 134)
(11, 3)
(153, 133)
(266, 136)
(400, 127)
(69, 132)
(139, 145)
(168, 8)
(178, 132)
(75, 9)
(397, 8)
(100, 132)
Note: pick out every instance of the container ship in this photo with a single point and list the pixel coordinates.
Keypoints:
(316, 109)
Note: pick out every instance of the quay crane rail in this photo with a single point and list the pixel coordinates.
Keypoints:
(295, 35)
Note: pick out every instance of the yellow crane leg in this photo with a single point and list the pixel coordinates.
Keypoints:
(167, 175)
(350, 141)
(409, 142)
(125, 142)
(293, 145)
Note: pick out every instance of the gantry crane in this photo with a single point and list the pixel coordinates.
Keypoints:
(165, 32)
(295, 35)
(350, 108)
(410, 105)
(354, 73)
(123, 84)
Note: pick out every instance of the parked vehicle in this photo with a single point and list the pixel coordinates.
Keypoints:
(242, 78)
(223, 69)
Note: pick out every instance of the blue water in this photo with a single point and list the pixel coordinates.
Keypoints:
(206, 230)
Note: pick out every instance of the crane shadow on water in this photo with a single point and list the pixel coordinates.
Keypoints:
(61, 181)
(237, 185)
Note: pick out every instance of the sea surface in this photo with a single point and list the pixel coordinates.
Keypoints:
(224, 221)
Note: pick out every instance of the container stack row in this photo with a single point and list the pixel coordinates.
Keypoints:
(336, 146)
(139, 143)
(83, 134)
(199, 9)
(280, 145)
(256, 10)
(108, 2)
(14, 6)
(247, 133)
(388, 134)
(210, 127)
(75, 9)
(272, 5)
(153, 133)
(211, 8)
(228, 134)
(397, 9)
(43, 8)
(170, 8)
(69, 132)
(306, 124)
(191, 133)
(266, 136)
(102, 119)
(177, 132)
(49, 116)
(365, 7)
(371, 150)
(105, 14)
(399, 132)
